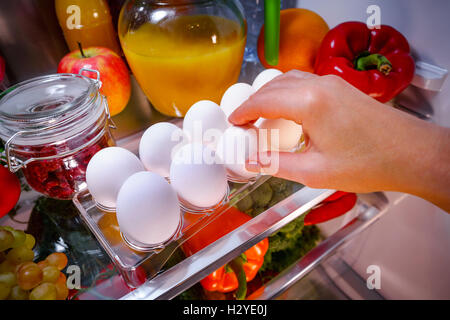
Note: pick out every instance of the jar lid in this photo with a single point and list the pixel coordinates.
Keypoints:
(45, 103)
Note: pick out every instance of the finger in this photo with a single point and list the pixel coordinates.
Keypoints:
(303, 167)
(274, 100)
(299, 74)
(270, 104)
(288, 80)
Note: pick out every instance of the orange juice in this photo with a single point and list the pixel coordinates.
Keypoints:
(88, 22)
(185, 59)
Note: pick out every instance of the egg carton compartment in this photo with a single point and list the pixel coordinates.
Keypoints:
(136, 266)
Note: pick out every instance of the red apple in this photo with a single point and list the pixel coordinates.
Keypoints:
(114, 73)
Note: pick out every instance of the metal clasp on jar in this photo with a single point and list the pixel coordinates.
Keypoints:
(15, 164)
(112, 125)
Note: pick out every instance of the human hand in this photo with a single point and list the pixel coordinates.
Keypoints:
(353, 142)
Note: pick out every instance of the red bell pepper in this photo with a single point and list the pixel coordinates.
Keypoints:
(377, 61)
(332, 207)
(335, 196)
(9, 190)
(238, 272)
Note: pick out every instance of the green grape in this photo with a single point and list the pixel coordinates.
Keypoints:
(29, 276)
(17, 293)
(19, 238)
(51, 274)
(44, 291)
(30, 241)
(61, 290)
(4, 291)
(7, 266)
(7, 228)
(6, 239)
(57, 259)
(8, 278)
(19, 255)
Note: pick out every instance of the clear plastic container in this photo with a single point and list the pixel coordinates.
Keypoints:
(52, 126)
(137, 264)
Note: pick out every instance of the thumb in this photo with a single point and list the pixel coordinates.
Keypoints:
(294, 166)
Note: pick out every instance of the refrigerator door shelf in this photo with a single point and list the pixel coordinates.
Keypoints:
(183, 275)
(429, 77)
(366, 214)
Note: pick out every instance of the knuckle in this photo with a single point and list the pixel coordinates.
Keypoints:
(332, 80)
(314, 95)
(293, 72)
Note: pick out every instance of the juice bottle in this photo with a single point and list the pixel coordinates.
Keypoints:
(185, 58)
(88, 22)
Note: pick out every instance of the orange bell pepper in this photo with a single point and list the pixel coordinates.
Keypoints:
(238, 272)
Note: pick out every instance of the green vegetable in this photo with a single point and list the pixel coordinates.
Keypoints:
(285, 246)
(289, 244)
(272, 31)
(265, 196)
(292, 241)
(262, 195)
(278, 185)
(193, 293)
(245, 203)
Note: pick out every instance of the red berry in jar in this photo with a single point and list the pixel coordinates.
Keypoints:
(61, 177)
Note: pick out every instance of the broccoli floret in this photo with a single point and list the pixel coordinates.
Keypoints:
(277, 184)
(245, 204)
(257, 211)
(262, 195)
(289, 244)
(295, 226)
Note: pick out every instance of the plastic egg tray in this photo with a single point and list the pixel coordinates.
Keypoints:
(133, 263)
(135, 259)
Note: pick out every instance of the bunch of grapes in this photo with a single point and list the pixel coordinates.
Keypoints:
(23, 279)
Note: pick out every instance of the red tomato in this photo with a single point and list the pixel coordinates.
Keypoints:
(9, 190)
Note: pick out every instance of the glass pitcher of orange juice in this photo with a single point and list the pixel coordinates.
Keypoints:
(183, 51)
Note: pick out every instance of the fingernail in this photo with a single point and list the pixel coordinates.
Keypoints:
(231, 120)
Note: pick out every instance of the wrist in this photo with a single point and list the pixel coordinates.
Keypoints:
(424, 164)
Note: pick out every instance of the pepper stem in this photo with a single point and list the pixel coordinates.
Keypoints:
(237, 266)
(367, 61)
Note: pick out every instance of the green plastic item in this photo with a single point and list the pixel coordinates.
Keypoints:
(271, 31)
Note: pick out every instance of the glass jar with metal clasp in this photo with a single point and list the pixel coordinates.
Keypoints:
(51, 126)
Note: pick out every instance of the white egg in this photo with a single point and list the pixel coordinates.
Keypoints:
(107, 171)
(235, 95)
(148, 211)
(205, 122)
(234, 148)
(281, 134)
(157, 145)
(264, 77)
(197, 176)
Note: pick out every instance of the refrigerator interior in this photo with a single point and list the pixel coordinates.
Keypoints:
(410, 242)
